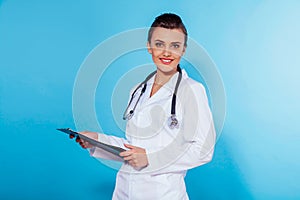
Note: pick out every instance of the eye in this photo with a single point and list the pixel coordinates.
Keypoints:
(175, 46)
(159, 44)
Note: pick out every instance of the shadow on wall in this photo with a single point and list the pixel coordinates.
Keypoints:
(219, 179)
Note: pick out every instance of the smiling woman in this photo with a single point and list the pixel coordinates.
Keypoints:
(166, 47)
(158, 154)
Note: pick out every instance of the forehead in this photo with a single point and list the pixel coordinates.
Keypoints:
(168, 35)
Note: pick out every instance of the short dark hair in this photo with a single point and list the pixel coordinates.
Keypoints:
(169, 21)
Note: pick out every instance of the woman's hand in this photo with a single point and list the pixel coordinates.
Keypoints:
(84, 144)
(136, 156)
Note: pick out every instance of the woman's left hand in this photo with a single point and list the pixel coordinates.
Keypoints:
(135, 156)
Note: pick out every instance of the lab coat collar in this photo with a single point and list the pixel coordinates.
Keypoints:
(166, 91)
(170, 85)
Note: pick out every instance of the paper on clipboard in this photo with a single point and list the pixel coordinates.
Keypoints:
(109, 148)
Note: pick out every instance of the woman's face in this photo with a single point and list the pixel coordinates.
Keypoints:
(166, 47)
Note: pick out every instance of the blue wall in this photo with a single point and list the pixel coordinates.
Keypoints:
(255, 45)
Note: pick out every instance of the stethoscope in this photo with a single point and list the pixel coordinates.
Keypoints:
(172, 121)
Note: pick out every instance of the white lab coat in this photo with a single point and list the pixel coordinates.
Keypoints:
(170, 152)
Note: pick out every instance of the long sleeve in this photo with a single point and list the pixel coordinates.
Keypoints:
(194, 144)
(111, 140)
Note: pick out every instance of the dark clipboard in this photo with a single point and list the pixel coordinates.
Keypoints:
(109, 148)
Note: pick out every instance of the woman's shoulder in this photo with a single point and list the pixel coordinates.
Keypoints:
(189, 84)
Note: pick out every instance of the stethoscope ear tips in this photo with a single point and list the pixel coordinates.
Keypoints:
(173, 122)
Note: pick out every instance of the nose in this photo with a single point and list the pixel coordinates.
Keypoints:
(167, 52)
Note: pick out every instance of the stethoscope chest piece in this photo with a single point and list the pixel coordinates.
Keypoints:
(128, 116)
(173, 122)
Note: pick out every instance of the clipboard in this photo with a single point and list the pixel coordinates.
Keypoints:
(109, 148)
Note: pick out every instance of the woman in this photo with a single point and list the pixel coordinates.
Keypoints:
(162, 145)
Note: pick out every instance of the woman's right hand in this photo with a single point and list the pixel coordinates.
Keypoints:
(84, 144)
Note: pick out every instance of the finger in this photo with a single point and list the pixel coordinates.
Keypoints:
(131, 163)
(71, 136)
(87, 145)
(83, 144)
(126, 153)
(78, 139)
(127, 158)
(129, 146)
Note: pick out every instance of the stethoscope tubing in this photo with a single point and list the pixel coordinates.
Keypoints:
(173, 122)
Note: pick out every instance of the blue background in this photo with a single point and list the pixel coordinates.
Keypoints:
(255, 45)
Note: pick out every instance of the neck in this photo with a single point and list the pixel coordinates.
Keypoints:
(161, 77)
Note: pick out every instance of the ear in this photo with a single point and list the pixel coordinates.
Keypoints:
(149, 48)
(183, 51)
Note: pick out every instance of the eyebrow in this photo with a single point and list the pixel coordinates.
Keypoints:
(159, 41)
(164, 42)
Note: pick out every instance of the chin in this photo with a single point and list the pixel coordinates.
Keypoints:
(167, 69)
